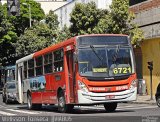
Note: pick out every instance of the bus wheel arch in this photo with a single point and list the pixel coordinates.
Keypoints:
(62, 106)
(59, 91)
(30, 104)
(28, 92)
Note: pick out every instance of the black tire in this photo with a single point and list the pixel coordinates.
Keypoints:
(6, 100)
(110, 107)
(62, 106)
(158, 101)
(31, 105)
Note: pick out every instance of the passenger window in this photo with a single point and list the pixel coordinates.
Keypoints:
(25, 69)
(48, 63)
(39, 65)
(31, 68)
(58, 60)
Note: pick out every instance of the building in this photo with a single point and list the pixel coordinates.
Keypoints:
(48, 5)
(64, 11)
(148, 18)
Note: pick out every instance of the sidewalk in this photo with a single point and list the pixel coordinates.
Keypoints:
(145, 99)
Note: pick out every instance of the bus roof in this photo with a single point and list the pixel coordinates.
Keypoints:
(55, 47)
(102, 35)
(24, 58)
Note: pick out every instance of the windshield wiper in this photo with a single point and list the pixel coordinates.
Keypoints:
(93, 49)
(115, 55)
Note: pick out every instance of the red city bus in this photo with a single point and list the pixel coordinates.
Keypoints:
(84, 70)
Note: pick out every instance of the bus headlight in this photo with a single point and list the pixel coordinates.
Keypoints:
(133, 84)
(82, 86)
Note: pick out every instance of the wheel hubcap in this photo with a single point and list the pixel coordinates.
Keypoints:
(29, 102)
(61, 102)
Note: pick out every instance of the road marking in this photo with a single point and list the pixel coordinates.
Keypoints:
(1, 106)
(6, 113)
(26, 112)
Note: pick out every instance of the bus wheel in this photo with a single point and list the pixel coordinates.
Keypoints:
(110, 107)
(29, 102)
(62, 106)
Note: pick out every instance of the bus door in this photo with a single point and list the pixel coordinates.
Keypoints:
(71, 83)
(20, 84)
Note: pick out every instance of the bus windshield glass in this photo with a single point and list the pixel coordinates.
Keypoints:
(105, 61)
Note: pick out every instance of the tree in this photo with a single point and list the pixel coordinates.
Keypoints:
(84, 18)
(13, 26)
(22, 22)
(63, 34)
(6, 28)
(33, 39)
(40, 35)
(120, 21)
(7, 39)
(52, 20)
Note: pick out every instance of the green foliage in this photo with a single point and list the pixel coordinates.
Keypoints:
(41, 35)
(119, 16)
(136, 36)
(63, 34)
(84, 17)
(120, 21)
(13, 26)
(22, 22)
(6, 29)
(52, 20)
(7, 38)
(31, 41)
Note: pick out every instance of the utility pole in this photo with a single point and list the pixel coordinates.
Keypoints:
(30, 15)
(29, 12)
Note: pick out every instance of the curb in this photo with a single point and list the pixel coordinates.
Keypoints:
(144, 103)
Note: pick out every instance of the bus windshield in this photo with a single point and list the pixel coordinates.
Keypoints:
(105, 61)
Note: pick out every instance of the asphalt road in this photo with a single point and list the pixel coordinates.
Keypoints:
(125, 112)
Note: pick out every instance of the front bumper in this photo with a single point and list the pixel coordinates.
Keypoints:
(97, 98)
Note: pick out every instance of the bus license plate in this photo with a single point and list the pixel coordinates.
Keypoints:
(108, 97)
